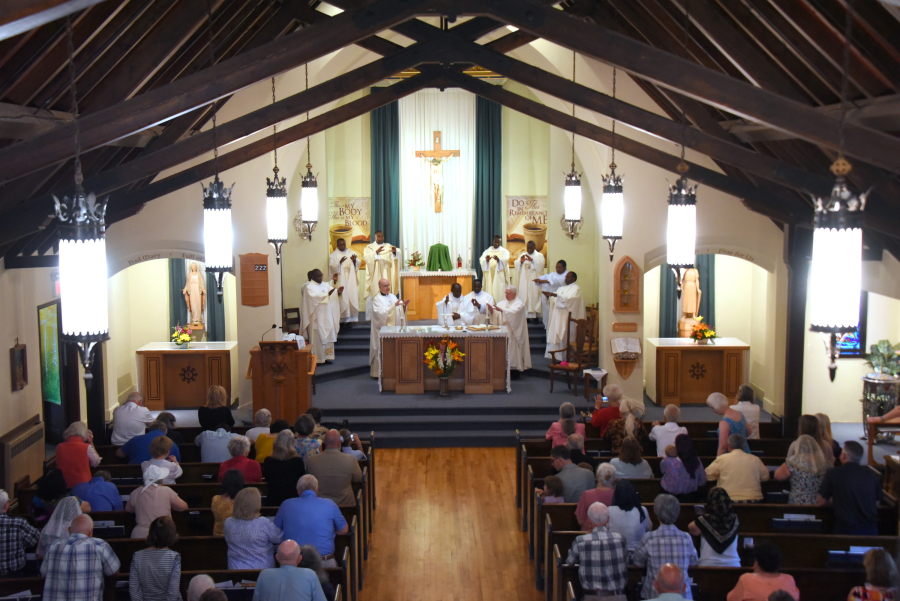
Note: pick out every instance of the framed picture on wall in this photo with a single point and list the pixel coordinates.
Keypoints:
(18, 366)
(853, 344)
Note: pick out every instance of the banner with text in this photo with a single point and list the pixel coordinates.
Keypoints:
(526, 220)
(350, 218)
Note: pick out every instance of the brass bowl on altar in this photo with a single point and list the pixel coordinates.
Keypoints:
(459, 327)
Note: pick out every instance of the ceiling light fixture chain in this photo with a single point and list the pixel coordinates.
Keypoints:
(212, 62)
(612, 207)
(274, 133)
(70, 47)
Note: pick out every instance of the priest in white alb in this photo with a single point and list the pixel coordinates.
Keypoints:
(550, 282)
(381, 263)
(454, 309)
(529, 269)
(511, 312)
(567, 301)
(387, 310)
(320, 316)
(494, 265)
(344, 263)
(480, 301)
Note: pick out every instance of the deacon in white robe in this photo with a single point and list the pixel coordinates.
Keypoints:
(344, 263)
(387, 310)
(480, 301)
(550, 282)
(567, 301)
(381, 263)
(494, 265)
(529, 269)
(320, 316)
(511, 313)
(454, 309)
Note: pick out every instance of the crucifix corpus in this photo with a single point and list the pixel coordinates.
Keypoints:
(437, 158)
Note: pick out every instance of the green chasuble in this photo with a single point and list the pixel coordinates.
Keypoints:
(439, 258)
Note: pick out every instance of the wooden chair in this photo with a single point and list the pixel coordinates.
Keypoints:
(292, 320)
(592, 344)
(574, 354)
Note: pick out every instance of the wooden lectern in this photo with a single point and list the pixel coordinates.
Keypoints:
(282, 378)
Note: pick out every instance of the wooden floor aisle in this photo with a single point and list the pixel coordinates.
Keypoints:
(446, 528)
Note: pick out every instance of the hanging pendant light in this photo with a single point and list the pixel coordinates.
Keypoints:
(309, 191)
(276, 200)
(572, 192)
(612, 208)
(82, 254)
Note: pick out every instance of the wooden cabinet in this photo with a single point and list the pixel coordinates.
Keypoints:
(678, 371)
(173, 378)
(627, 286)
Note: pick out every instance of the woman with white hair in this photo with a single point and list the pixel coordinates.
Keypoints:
(607, 476)
(628, 424)
(566, 425)
(239, 448)
(805, 467)
(733, 422)
(76, 456)
(153, 500)
(510, 312)
(261, 421)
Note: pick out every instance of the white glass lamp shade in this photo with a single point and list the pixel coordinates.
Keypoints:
(572, 201)
(835, 279)
(681, 235)
(612, 214)
(83, 287)
(217, 239)
(277, 218)
(309, 203)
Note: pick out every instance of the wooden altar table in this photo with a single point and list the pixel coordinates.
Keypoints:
(678, 370)
(173, 378)
(484, 370)
(425, 288)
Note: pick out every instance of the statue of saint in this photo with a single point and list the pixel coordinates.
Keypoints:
(195, 295)
(691, 293)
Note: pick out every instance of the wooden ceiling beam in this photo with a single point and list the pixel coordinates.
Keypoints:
(19, 16)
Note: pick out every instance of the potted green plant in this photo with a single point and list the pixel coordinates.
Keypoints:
(883, 358)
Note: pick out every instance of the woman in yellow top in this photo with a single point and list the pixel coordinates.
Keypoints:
(265, 442)
(223, 505)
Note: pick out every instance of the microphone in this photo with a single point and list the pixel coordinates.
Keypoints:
(267, 331)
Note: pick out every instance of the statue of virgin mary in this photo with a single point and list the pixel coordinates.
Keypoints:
(195, 294)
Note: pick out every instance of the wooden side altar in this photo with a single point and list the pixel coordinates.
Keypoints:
(678, 370)
(425, 288)
(174, 378)
(282, 378)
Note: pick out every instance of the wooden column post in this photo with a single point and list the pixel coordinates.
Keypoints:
(797, 255)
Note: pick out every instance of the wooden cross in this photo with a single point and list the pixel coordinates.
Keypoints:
(436, 157)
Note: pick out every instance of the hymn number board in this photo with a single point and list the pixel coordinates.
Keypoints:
(254, 279)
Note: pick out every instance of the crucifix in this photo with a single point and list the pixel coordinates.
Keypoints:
(437, 158)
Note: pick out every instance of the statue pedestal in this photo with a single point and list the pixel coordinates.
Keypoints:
(685, 325)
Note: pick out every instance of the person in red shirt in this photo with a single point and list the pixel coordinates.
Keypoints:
(603, 416)
(76, 456)
(239, 447)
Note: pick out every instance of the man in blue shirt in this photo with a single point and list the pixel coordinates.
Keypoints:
(137, 450)
(99, 492)
(310, 520)
(288, 581)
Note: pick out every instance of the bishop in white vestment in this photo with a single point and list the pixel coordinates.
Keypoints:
(510, 312)
(480, 301)
(454, 309)
(387, 310)
(567, 301)
(494, 264)
(381, 263)
(529, 269)
(344, 263)
(551, 282)
(320, 316)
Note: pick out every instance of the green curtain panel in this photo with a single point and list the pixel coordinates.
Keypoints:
(706, 267)
(668, 301)
(177, 308)
(488, 218)
(215, 312)
(385, 135)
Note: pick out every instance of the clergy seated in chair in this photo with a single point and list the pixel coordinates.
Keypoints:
(439, 258)
(571, 360)
(480, 301)
(454, 309)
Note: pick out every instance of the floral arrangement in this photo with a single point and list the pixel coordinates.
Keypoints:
(416, 260)
(702, 331)
(883, 358)
(182, 335)
(443, 357)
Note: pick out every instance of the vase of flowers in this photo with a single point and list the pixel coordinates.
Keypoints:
(702, 333)
(415, 261)
(442, 357)
(182, 336)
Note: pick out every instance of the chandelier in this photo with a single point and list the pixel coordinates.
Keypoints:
(572, 192)
(276, 200)
(612, 209)
(309, 191)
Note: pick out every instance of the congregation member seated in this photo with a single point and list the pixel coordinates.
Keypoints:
(575, 479)
(57, 527)
(223, 505)
(151, 501)
(746, 406)
(733, 422)
(288, 581)
(603, 416)
(214, 444)
(319, 431)
(682, 471)
(76, 456)
(282, 469)
(854, 491)
(16, 535)
(826, 435)
(216, 411)
(670, 584)
(137, 450)
(156, 571)
(261, 422)
(809, 425)
(265, 442)
(214, 594)
(171, 427)
(881, 578)
(738, 472)
(312, 560)
(628, 424)
(575, 444)
(629, 463)
(51, 489)
(335, 471)
(717, 528)
(627, 516)
(664, 434)
(601, 555)
(305, 444)
(780, 595)
(566, 424)
(310, 519)
(607, 476)
(805, 467)
(553, 491)
(161, 456)
(130, 419)
(238, 448)
(351, 444)
(251, 538)
(198, 585)
(666, 544)
(75, 567)
(765, 577)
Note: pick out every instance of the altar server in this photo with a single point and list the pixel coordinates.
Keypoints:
(494, 263)
(387, 310)
(529, 269)
(454, 309)
(381, 263)
(551, 282)
(480, 301)
(344, 263)
(567, 301)
(511, 313)
(320, 316)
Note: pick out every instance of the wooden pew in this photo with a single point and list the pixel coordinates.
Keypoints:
(194, 473)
